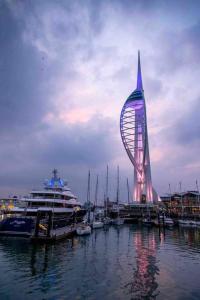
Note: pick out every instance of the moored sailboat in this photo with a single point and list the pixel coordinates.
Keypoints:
(118, 221)
(84, 228)
(96, 223)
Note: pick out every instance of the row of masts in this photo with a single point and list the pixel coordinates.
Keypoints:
(106, 196)
(180, 187)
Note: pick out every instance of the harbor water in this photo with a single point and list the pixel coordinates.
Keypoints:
(129, 262)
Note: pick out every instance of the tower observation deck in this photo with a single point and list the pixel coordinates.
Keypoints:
(134, 134)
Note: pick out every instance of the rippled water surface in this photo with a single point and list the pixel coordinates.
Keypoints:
(126, 263)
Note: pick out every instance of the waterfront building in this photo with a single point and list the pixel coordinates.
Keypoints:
(185, 204)
(8, 203)
(136, 211)
(134, 134)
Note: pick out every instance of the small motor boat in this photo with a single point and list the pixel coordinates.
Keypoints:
(83, 229)
(97, 224)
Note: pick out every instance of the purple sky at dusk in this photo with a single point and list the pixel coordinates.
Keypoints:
(66, 69)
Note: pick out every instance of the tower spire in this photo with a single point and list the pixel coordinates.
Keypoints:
(139, 75)
(134, 133)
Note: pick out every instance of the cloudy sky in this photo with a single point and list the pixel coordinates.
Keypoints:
(66, 69)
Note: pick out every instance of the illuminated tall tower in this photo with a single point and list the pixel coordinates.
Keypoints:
(133, 128)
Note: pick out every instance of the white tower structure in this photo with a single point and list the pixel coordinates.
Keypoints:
(134, 134)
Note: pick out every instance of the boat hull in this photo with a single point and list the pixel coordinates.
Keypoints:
(187, 223)
(21, 227)
(96, 225)
(86, 230)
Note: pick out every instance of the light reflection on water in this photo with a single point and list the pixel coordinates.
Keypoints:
(126, 263)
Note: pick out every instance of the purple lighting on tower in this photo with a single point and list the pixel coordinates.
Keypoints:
(134, 134)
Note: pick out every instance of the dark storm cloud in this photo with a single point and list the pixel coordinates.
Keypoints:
(27, 81)
(22, 99)
(57, 24)
(73, 149)
(92, 143)
(27, 74)
(89, 144)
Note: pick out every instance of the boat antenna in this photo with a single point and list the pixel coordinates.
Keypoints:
(197, 187)
(55, 172)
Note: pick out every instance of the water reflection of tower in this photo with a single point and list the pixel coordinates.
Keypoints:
(144, 284)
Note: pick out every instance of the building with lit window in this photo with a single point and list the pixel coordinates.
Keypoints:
(182, 204)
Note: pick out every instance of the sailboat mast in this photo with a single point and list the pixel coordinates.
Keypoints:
(106, 202)
(118, 191)
(96, 191)
(88, 196)
(117, 185)
(197, 186)
(170, 192)
(128, 191)
(182, 208)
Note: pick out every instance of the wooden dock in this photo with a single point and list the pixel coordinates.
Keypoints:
(51, 235)
(55, 235)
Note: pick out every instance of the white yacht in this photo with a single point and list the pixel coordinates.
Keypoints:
(55, 198)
